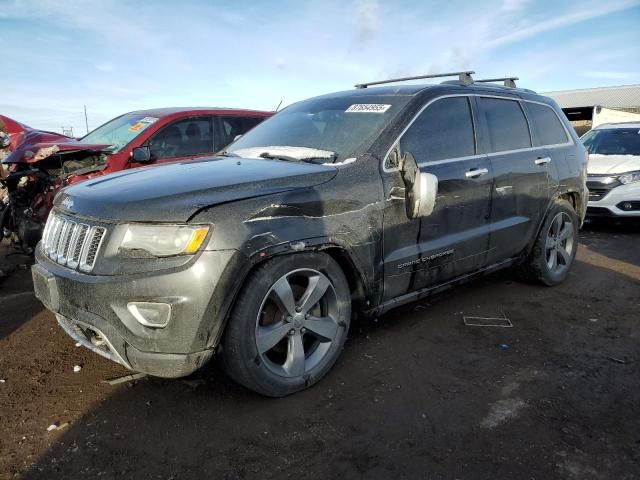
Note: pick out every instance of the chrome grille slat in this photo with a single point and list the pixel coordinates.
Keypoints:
(75, 249)
(72, 243)
(45, 233)
(91, 246)
(61, 239)
(57, 230)
(48, 229)
(65, 239)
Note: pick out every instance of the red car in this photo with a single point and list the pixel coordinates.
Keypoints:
(41, 163)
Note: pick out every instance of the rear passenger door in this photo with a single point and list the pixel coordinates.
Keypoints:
(521, 180)
(551, 136)
(452, 240)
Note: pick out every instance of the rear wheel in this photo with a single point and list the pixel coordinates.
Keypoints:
(289, 324)
(554, 252)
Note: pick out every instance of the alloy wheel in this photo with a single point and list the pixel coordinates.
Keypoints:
(297, 323)
(559, 244)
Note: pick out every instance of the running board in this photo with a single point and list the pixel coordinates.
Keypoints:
(425, 292)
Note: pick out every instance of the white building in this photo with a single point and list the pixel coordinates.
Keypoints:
(590, 107)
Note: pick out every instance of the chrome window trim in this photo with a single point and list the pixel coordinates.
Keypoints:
(395, 144)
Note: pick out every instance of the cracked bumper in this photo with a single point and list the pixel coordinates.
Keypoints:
(93, 311)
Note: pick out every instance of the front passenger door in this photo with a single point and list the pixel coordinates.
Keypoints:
(183, 139)
(453, 240)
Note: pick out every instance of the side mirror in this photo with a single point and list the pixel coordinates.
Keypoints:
(421, 188)
(141, 154)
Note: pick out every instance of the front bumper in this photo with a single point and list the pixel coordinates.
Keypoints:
(93, 310)
(613, 203)
(159, 364)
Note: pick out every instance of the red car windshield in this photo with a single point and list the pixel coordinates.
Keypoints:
(120, 131)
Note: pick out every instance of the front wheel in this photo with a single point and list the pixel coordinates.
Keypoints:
(555, 248)
(289, 324)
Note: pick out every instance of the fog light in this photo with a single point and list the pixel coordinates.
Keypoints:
(629, 205)
(150, 314)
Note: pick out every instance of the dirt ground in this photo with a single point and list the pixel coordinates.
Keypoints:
(416, 393)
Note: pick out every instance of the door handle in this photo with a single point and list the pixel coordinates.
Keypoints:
(542, 161)
(476, 172)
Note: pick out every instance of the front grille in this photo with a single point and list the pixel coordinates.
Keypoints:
(72, 243)
(600, 185)
(596, 194)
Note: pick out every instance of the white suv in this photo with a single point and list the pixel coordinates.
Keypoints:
(614, 170)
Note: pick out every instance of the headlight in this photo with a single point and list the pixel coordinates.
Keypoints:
(164, 240)
(629, 177)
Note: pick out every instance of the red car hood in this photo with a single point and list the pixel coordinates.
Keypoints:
(29, 145)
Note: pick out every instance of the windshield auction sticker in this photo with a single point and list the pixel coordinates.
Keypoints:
(368, 108)
(149, 120)
(142, 124)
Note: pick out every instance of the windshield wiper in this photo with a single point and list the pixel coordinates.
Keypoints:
(286, 158)
(289, 158)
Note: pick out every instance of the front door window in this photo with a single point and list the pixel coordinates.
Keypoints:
(184, 138)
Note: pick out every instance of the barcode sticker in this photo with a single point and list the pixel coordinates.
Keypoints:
(368, 108)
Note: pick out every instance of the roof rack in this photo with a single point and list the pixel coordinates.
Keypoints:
(508, 81)
(464, 78)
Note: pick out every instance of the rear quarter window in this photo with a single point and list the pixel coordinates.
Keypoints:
(507, 126)
(547, 125)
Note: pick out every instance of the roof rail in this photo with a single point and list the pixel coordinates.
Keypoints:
(508, 81)
(464, 77)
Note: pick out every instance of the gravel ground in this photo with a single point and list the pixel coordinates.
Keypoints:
(416, 393)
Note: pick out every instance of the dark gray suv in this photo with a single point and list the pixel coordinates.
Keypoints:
(354, 201)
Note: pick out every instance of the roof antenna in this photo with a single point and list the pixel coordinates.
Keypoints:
(278, 107)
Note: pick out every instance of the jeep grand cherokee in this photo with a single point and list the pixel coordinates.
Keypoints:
(359, 200)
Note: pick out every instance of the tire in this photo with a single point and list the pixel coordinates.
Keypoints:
(288, 325)
(555, 248)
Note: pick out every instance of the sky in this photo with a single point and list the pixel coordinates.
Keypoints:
(116, 56)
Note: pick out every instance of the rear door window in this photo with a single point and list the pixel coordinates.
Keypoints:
(233, 126)
(548, 128)
(183, 138)
(507, 126)
(443, 130)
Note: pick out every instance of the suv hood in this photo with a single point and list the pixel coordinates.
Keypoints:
(175, 192)
(606, 164)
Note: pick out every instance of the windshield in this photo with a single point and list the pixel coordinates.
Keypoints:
(613, 141)
(324, 130)
(120, 131)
